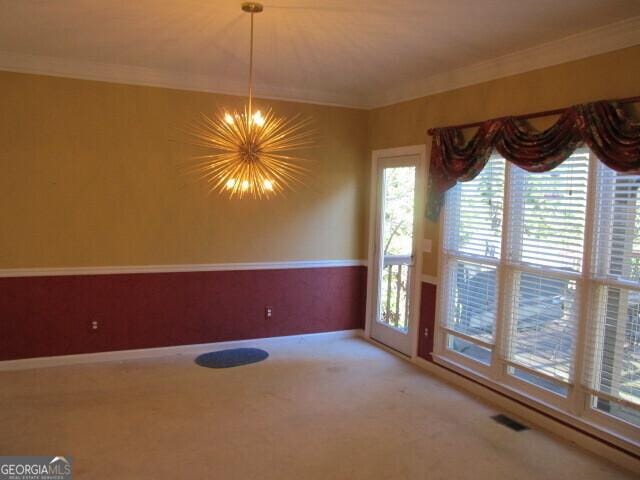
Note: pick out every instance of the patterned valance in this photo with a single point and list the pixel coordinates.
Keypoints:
(604, 126)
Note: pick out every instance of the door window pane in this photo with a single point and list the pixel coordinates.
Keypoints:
(399, 187)
(397, 246)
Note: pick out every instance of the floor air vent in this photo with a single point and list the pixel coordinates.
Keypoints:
(509, 422)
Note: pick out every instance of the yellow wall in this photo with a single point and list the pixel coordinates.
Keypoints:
(607, 76)
(93, 174)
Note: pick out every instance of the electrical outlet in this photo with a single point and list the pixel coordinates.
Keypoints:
(94, 325)
(426, 332)
(268, 312)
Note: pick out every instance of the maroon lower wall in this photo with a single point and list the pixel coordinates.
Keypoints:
(427, 320)
(46, 316)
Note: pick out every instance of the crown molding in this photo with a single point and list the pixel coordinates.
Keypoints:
(202, 267)
(601, 40)
(153, 77)
(608, 38)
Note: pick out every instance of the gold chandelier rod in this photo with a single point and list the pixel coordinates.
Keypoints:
(252, 8)
(251, 67)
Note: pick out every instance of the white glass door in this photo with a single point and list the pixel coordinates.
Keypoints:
(393, 270)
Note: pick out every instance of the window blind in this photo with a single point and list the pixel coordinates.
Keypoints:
(473, 231)
(474, 223)
(548, 215)
(613, 342)
(546, 245)
(617, 252)
(473, 300)
(540, 271)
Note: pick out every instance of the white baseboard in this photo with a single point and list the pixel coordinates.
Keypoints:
(533, 417)
(122, 355)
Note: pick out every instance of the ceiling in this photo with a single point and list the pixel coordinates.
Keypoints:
(357, 53)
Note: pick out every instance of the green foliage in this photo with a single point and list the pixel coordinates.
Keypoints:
(398, 210)
(397, 239)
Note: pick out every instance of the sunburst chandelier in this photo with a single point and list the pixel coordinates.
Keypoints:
(250, 151)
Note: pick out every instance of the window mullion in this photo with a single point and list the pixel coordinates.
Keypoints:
(586, 289)
(503, 288)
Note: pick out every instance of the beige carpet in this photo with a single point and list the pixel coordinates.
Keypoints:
(318, 408)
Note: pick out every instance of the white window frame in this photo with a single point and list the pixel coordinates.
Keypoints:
(576, 407)
(595, 283)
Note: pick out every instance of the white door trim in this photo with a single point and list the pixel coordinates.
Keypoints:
(421, 183)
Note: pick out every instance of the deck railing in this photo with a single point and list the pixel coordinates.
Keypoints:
(396, 278)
